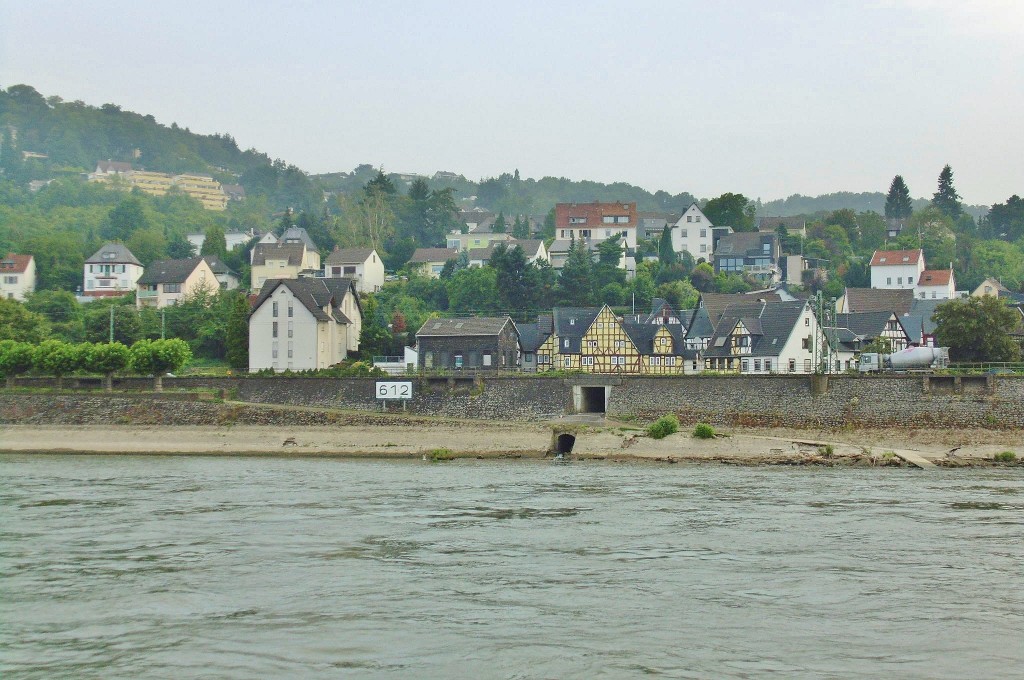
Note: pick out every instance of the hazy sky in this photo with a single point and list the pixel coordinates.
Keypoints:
(763, 98)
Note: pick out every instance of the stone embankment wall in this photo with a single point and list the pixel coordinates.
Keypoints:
(792, 401)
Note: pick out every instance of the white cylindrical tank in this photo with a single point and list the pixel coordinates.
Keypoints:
(918, 357)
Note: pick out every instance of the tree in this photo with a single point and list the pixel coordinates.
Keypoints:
(125, 218)
(157, 357)
(510, 267)
(703, 277)
(18, 323)
(932, 231)
(499, 224)
(977, 329)
(178, 248)
(107, 358)
(548, 231)
(148, 245)
(473, 291)
(56, 358)
(61, 309)
(215, 243)
(1005, 220)
(576, 282)
(15, 359)
(127, 325)
(237, 339)
(731, 210)
(521, 227)
(897, 201)
(666, 254)
(946, 199)
(381, 183)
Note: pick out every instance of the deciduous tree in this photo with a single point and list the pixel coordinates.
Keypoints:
(977, 329)
(158, 357)
(15, 358)
(107, 358)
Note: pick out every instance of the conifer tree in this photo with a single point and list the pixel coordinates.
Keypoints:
(500, 226)
(897, 202)
(946, 198)
(666, 254)
(237, 334)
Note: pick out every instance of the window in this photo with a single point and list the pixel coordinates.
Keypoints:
(768, 365)
(587, 361)
(757, 365)
(350, 269)
(543, 358)
(933, 295)
(273, 313)
(663, 341)
(10, 279)
(565, 343)
(703, 247)
(807, 321)
(922, 294)
(172, 287)
(619, 344)
(273, 351)
(670, 361)
(577, 220)
(622, 219)
(697, 219)
(608, 219)
(291, 329)
(888, 280)
(585, 233)
(703, 232)
(689, 218)
(487, 358)
(567, 362)
(792, 365)
(899, 280)
(291, 311)
(744, 366)
(805, 343)
(291, 350)
(273, 330)
(458, 361)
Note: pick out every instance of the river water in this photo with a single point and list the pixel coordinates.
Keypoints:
(180, 567)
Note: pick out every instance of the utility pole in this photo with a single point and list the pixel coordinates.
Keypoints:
(163, 324)
(111, 324)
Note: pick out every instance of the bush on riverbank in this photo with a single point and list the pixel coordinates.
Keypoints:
(704, 431)
(663, 426)
(1005, 457)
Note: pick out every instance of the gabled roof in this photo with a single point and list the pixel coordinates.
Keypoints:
(717, 304)
(313, 294)
(349, 255)
(886, 258)
(594, 214)
(113, 166)
(169, 271)
(773, 223)
(643, 335)
(276, 251)
(570, 323)
(936, 277)
(218, 266)
(769, 329)
(866, 325)
(17, 264)
(700, 325)
(879, 300)
(298, 235)
(426, 255)
(530, 337)
(458, 327)
(113, 253)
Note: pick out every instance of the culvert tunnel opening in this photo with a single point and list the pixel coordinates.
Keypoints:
(593, 399)
(564, 443)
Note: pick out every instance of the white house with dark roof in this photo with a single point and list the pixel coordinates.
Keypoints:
(936, 284)
(533, 249)
(693, 233)
(303, 324)
(111, 271)
(282, 260)
(17, 276)
(761, 337)
(362, 264)
(168, 282)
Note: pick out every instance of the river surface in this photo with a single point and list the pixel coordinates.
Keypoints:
(181, 567)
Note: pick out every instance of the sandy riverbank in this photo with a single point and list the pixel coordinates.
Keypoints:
(496, 440)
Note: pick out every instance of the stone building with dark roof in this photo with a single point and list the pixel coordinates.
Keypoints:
(469, 344)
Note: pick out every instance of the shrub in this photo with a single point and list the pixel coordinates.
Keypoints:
(1005, 457)
(663, 427)
(442, 454)
(15, 359)
(704, 431)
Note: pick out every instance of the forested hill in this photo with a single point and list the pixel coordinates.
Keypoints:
(46, 137)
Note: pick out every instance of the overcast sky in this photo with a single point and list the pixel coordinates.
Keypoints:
(763, 98)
